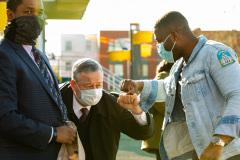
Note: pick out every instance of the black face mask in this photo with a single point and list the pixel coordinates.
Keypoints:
(24, 30)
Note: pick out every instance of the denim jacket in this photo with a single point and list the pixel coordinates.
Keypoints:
(210, 94)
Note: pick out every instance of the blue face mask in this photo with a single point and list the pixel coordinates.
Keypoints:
(166, 55)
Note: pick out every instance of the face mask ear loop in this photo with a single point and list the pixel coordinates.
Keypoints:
(165, 40)
(79, 90)
(167, 37)
(173, 45)
(76, 96)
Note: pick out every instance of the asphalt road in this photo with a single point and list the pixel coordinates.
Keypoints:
(130, 149)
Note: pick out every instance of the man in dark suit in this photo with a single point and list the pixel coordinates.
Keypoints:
(98, 116)
(32, 115)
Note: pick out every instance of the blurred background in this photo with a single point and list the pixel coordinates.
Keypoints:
(119, 35)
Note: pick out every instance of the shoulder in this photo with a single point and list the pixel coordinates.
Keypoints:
(110, 95)
(111, 99)
(4, 45)
(3, 42)
(8, 49)
(220, 53)
(7, 54)
(215, 47)
(64, 86)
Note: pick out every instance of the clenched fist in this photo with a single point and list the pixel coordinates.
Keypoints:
(130, 102)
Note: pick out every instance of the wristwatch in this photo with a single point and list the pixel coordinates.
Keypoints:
(54, 137)
(217, 141)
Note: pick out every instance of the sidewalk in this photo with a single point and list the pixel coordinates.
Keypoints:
(130, 149)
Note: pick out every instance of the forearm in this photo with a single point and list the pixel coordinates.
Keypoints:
(136, 131)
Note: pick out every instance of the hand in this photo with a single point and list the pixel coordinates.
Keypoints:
(130, 102)
(212, 152)
(66, 134)
(130, 86)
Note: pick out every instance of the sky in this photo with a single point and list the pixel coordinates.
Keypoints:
(118, 14)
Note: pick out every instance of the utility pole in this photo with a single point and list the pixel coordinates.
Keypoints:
(136, 59)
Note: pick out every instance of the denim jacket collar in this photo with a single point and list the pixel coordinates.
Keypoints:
(201, 41)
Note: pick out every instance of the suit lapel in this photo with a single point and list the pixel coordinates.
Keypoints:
(51, 71)
(27, 59)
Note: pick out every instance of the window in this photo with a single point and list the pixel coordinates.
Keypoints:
(145, 70)
(68, 46)
(111, 67)
(118, 69)
(88, 45)
(68, 66)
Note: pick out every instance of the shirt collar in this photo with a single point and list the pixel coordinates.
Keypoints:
(28, 48)
(77, 107)
(201, 41)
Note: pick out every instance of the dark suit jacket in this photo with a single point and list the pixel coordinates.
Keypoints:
(27, 108)
(107, 121)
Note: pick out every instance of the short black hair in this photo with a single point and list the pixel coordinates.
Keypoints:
(13, 4)
(173, 21)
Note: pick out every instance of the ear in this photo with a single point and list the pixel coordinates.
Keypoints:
(10, 15)
(175, 35)
(73, 85)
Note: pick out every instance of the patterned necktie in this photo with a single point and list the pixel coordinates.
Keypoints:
(43, 69)
(84, 115)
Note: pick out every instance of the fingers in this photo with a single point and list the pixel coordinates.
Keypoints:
(126, 99)
(71, 140)
(128, 86)
(72, 135)
(131, 92)
(66, 134)
(74, 130)
(119, 100)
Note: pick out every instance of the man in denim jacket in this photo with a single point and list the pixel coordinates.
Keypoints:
(202, 94)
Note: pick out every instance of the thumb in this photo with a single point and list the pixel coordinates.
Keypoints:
(118, 100)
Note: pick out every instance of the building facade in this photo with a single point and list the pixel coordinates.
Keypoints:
(110, 40)
(73, 47)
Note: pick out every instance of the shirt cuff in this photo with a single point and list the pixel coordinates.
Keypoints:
(230, 126)
(141, 118)
(51, 136)
(148, 94)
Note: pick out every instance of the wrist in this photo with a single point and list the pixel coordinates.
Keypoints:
(54, 137)
(224, 138)
(139, 85)
(137, 111)
(217, 141)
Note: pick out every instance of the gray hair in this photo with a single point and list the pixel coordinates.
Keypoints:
(84, 65)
